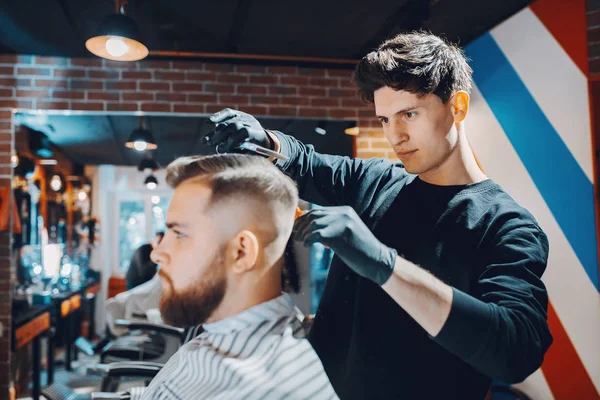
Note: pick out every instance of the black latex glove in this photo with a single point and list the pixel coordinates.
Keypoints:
(342, 230)
(234, 127)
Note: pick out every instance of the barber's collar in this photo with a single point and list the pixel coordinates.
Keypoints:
(270, 310)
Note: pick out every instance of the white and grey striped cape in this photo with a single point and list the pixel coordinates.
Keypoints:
(260, 353)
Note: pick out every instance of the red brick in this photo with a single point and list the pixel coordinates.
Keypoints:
(264, 80)
(324, 82)
(371, 154)
(114, 64)
(255, 110)
(6, 93)
(154, 64)
(312, 92)
(7, 70)
(342, 114)
(214, 67)
(367, 113)
(342, 93)
(8, 82)
(92, 85)
(283, 111)
(5, 148)
(86, 62)
(15, 59)
(188, 87)
(137, 75)
(232, 78)
(202, 98)
(156, 107)
(313, 112)
(294, 80)
(189, 108)
(44, 94)
(5, 114)
(108, 96)
(340, 73)
(283, 90)
(120, 85)
(52, 83)
(324, 102)
(354, 103)
(224, 99)
(34, 71)
(169, 76)
(283, 70)
(219, 88)
(51, 60)
(6, 137)
(164, 86)
(251, 69)
(170, 96)
(213, 108)
(100, 74)
(263, 100)
(5, 171)
(88, 105)
(121, 107)
(202, 76)
(188, 65)
(311, 71)
(69, 73)
(295, 101)
(52, 105)
(66, 94)
(249, 89)
(136, 96)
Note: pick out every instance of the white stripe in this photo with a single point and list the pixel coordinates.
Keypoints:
(536, 387)
(553, 79)
(573, 295)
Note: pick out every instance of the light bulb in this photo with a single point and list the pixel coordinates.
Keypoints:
(55, 183)
(140, 145)
(155, 199)
(151, 185)
(82, 195)
(116, 47)
(14, 160)
(132, 221)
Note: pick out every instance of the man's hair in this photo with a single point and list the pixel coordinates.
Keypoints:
(418, 62)
(230, 175)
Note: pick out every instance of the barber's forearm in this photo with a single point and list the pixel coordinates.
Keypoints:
(423, 296)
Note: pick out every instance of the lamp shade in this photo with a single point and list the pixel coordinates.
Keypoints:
(151, 182)
(141, 139)
(117, 39)
(148, 163)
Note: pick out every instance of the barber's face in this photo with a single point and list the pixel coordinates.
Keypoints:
(191, 259)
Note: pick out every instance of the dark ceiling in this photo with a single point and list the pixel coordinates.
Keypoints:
(100, 139)
(309, 28)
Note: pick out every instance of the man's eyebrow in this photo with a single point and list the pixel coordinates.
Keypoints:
(402, 111)
(174, 225)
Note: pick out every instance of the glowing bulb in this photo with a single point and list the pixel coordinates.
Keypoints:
(116, 47)
(132, 221)
(82, 195)
(55, 183)
(14, 160)
(140, 145)
(37, 269)
(155, 199)
(151, 185)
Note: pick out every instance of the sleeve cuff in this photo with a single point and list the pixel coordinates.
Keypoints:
(466, 329)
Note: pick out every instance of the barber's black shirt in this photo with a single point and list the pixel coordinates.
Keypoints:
(474, 237)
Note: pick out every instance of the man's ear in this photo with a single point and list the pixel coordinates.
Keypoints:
(460, 105)
(244, 251)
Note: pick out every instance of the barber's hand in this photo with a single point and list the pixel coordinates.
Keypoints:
(233, 128)
(342, 230)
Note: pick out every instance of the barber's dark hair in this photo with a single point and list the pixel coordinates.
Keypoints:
(419, 63)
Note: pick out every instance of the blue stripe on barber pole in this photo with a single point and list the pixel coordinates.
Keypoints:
(564, 186)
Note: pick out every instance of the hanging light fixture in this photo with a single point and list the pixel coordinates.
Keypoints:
(56, 183)
(148, 163)
(118, 37)
(151, 182)
(14, 159)
(141, 138)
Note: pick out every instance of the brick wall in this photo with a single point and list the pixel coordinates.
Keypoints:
(593, 24)
(42, 83)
